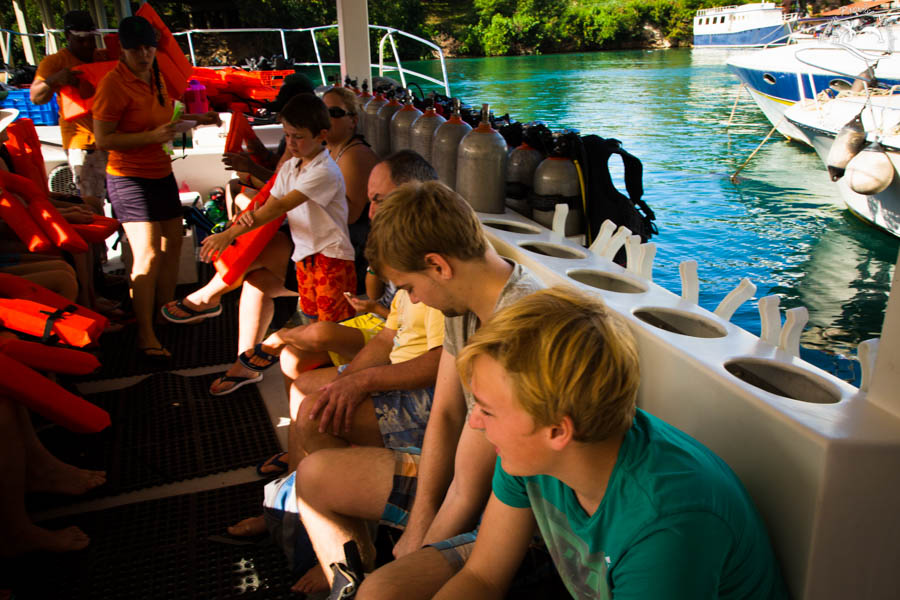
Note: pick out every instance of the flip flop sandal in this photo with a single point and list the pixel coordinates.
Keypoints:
(155, 354)
(281, 466)
(244, 358)
(236, 380)
(193, 314)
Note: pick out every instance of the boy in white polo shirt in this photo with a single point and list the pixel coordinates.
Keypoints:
(309, 188)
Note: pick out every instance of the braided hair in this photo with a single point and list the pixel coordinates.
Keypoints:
(158, 80)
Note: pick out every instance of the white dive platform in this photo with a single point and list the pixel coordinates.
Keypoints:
(820, 121)
(819, 456)
(742, 26)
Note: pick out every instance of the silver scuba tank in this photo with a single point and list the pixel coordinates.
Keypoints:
(362, 99)
(556, 181)
(870, 172)
(371, 119)
(401, 123)
(849, 141)
(383, 127)
(421, 132)
(481, 167)
(445, 143)
(523, 161)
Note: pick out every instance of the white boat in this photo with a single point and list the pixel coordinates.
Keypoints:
(820, 122)
(779, 77)
(818, 455)
(742, 26)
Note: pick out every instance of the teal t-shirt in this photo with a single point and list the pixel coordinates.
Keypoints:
(675, 523)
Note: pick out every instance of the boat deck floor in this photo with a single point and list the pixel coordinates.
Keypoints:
(180, 469)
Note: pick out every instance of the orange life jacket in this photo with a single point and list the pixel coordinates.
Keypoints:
(98, 230)
(173, 65)
(75, 101)
(50, 358)
(48, 322)
(33, 390)
(234, 261)
(13, 286)
(239, 132)
(12, 210)
(25, 149)
(54, 225)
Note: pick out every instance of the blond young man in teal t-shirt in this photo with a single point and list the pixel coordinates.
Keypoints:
(628, 506)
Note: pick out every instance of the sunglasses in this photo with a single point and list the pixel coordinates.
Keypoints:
(337, 112)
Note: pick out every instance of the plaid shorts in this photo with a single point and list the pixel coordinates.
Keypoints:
(321, 282)
(455, 550)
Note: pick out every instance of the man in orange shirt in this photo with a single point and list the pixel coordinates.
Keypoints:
(87, 162)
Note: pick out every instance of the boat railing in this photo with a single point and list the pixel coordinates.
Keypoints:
(388, 36)
(733, 7)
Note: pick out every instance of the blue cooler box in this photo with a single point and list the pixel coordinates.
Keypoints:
(41, 114)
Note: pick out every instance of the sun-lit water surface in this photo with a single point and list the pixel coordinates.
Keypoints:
(783, 225)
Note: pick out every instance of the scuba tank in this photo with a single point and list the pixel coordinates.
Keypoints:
(401, 122)
(361, 100)
(382, 141)
(481, 167)
(870, 172)
(523, 161)
(555, 182)
(371, 119)
(421, 132)
(847, 144)
(445, 143)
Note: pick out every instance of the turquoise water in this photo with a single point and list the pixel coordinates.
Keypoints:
(782, 225)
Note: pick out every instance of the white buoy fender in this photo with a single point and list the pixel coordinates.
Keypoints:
(847, 144)
(870, 172)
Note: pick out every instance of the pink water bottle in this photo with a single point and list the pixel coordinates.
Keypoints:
(195, 98)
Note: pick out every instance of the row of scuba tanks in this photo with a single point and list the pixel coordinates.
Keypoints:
(470, 152)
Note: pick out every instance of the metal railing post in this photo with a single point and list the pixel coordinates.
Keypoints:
(191, 48)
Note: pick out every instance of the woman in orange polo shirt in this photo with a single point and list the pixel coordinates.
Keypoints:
(132, 120)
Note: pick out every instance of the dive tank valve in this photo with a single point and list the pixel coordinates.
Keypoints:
(445, 143)
(481, 167)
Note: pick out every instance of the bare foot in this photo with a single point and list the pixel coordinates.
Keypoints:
(249, 527)
(312, 582)
(60, 478)
(37, 539)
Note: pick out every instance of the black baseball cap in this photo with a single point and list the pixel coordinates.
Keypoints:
(79, 22)
(137, 31)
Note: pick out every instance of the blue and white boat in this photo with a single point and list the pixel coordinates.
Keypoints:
(777, 78)
(745, 26)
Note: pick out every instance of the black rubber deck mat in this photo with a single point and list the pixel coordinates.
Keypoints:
(158, 549)
(202, 344)
(168, 428)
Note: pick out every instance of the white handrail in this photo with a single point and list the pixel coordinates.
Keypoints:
(320, 64)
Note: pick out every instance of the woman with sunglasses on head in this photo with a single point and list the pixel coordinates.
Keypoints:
(132, 120)
(356, 159)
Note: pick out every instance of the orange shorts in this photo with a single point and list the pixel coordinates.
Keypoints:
(321, 282)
